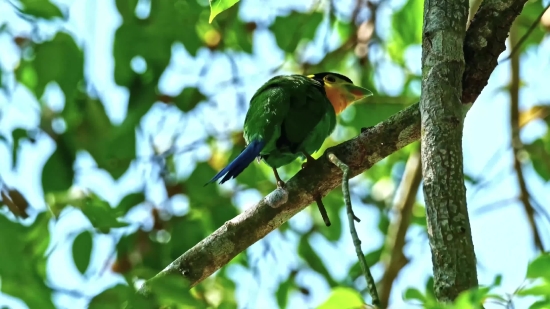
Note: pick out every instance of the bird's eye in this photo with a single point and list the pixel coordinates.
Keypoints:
(330, 79)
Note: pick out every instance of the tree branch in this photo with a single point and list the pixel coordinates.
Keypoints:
(371, 284)
(319, 178)
(485, 41)
(449, 231)
(393, 257)
(517, 144)
(360, 153)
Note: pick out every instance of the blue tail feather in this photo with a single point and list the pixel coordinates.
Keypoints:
(240, 163)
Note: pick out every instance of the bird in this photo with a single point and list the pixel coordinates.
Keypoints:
(289, 117)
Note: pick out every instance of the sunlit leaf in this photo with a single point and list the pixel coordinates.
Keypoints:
(530, 14)
(540, 289)
(218, 6)
(342, 298)
(82, 250)
(406, 29)
(540, 267)
(414, 294)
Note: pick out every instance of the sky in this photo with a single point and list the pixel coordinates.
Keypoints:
(501, 236)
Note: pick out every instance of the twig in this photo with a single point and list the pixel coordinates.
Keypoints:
(517, 144)
(322, 210)
(526, 35)
(356, 241)
(393, 256)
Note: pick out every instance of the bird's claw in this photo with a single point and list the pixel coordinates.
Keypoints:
(309, 159)
(281, 184)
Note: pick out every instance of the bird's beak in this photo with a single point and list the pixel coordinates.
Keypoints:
(355, 93)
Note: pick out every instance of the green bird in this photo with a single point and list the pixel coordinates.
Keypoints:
(290, 116)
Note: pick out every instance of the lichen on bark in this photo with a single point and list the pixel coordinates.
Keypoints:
(453, 256)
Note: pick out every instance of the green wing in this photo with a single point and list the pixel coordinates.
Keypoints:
(285, 111)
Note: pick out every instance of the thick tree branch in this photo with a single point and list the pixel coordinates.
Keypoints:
(449, 232)
(485, 41)
(359, 153)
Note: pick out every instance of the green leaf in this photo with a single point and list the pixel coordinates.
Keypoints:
(313, 260)
(82, 250)
(58, 173)
(50, 63)
(206, 199)
(218, 6)
(171, 289)
(24, 264)
(334, 202)
(539, 152)
(472, 298)
(130, 201)
(540, 267)
(303, 28)
(188, 99)
(284, 291)
(342, 298)
(406, 29)
(17, 135)
(41, 8)
(414, 294)
(100, 214)
(541, 304)
(529, 14)
(112, 298)
(541, 289)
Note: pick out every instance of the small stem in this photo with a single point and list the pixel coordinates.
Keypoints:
(356, 241)
(322, 210)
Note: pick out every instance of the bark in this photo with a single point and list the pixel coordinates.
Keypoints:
(485, 40)
(449, 232)
(359, 153)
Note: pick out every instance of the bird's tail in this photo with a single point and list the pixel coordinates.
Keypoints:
(240, 163)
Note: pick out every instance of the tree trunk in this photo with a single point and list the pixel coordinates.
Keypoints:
(443, 64)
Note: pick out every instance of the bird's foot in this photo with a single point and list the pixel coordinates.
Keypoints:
(280, 184)
(309, 160)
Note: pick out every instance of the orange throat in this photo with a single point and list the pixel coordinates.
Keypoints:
(337, 99)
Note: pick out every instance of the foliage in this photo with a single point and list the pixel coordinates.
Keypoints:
(106, 152)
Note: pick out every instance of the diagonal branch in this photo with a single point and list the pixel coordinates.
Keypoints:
(393, 257)
(360, 153)
(517, 144)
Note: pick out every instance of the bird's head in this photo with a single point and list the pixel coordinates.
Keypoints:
(340, 90)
